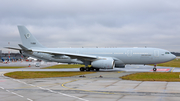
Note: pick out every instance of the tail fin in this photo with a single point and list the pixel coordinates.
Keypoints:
(28, 40)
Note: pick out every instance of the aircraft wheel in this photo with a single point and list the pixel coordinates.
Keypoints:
(81, 68)
(91, 68)
(154, 69)
(97, 69)
(87, 69)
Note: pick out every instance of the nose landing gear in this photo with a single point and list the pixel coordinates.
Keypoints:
(154, 69)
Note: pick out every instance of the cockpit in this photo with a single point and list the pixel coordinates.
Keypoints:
(167, 52)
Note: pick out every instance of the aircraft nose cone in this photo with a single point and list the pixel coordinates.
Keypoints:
(173, 56)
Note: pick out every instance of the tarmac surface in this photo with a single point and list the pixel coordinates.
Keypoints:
(100, 86)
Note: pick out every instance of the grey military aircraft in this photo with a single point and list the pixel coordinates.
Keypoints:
(98, 58)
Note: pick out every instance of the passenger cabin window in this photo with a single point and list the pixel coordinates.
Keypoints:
(167, 53)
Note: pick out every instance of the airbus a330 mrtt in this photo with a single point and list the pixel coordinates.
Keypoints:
(98, 58)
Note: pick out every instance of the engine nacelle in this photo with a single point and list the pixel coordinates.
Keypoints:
(107, 63)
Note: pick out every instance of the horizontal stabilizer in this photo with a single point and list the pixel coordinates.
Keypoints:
(24, 48)
(13, 48)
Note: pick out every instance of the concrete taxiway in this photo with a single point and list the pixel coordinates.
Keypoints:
(101, 86)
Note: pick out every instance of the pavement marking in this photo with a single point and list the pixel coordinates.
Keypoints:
(120, 71)
(17, 94)
(73, 96)
(68, 95)
(172, 69)
(50, 90)
(7, 90)
(63, 86)
(32, 85)
(29, 99)
(24, 82)
(45, 89)
(14, 92)
(15, 79)
(40, 87)
(1, 87)
(3, 74)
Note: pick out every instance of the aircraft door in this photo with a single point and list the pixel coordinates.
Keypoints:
(156, 53)
(129, 53)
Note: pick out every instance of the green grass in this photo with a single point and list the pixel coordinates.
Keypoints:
(154, 76)
(63, 66)
(173, 63)
(42, 74)
(10, 67)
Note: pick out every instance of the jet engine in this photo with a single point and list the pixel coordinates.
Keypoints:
(107, 63)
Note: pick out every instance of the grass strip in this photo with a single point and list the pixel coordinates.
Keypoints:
(10, 67)
(63, 66)
(154, 76)
(173, 63)
(42, 74)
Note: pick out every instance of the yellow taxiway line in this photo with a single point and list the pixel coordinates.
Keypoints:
(172, 69)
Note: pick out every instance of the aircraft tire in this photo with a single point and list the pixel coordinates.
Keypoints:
(91, 68)
(97, 69)
(154, 69)
(87, 68)
(82, 69)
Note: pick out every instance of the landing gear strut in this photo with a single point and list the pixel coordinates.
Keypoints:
(154, 69)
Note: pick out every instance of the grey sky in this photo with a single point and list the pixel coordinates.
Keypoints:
(91, 23)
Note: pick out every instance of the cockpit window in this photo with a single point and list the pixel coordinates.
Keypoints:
(167, 53)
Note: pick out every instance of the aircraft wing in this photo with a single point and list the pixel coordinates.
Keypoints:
(72, 55)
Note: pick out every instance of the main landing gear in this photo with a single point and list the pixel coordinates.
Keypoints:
(154, 69)
(88, 69)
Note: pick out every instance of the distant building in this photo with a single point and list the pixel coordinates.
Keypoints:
(13, 56)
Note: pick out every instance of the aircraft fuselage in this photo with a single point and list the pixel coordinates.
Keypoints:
(121, 55)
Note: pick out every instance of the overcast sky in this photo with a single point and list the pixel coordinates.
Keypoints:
(91, 23)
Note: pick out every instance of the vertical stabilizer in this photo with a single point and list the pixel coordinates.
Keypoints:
(28, 40)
